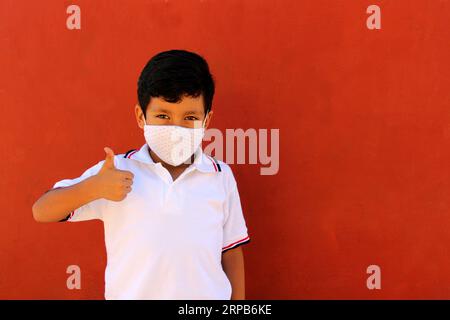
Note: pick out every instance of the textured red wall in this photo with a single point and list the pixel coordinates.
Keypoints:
(364, 135)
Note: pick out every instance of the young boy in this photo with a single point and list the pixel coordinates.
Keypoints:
(172, 214)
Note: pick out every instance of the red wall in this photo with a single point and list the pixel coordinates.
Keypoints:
(364, 135)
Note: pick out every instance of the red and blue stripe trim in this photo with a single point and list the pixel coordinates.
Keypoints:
(129, 153)
(236, 244)
(215, 163)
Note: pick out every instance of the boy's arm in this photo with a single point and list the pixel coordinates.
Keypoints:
(55, 205)
(104, 181)
(233, 265)
(234, 236)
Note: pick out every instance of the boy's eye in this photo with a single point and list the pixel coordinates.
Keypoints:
(191, 118)
(162, 116)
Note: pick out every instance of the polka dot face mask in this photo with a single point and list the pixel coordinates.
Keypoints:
(173, 144)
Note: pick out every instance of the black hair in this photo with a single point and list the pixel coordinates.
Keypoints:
(173, 74)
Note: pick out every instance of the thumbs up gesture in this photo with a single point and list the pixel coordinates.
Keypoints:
(112, 183)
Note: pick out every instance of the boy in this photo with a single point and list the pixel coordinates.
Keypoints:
(172, 214)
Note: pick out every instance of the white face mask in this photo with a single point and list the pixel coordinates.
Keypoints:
(173, 144)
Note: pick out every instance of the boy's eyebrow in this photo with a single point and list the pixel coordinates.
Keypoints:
(192, 112)
(159, 109)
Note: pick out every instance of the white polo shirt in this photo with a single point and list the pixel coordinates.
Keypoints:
(166, 238)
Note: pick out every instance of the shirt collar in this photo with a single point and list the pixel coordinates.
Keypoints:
(202, 161)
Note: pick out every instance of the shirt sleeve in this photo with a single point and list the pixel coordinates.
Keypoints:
(234, 228)
(91, 210)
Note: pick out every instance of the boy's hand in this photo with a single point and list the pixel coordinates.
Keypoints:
(111, 183)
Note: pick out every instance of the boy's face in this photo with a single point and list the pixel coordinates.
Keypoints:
(189, 113)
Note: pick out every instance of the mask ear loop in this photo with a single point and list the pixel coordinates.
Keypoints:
(204, 121)
(203, 127)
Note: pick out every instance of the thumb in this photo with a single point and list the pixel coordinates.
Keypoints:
(109, 160)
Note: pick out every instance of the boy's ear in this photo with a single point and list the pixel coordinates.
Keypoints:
(138, 113)
(208, 119)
